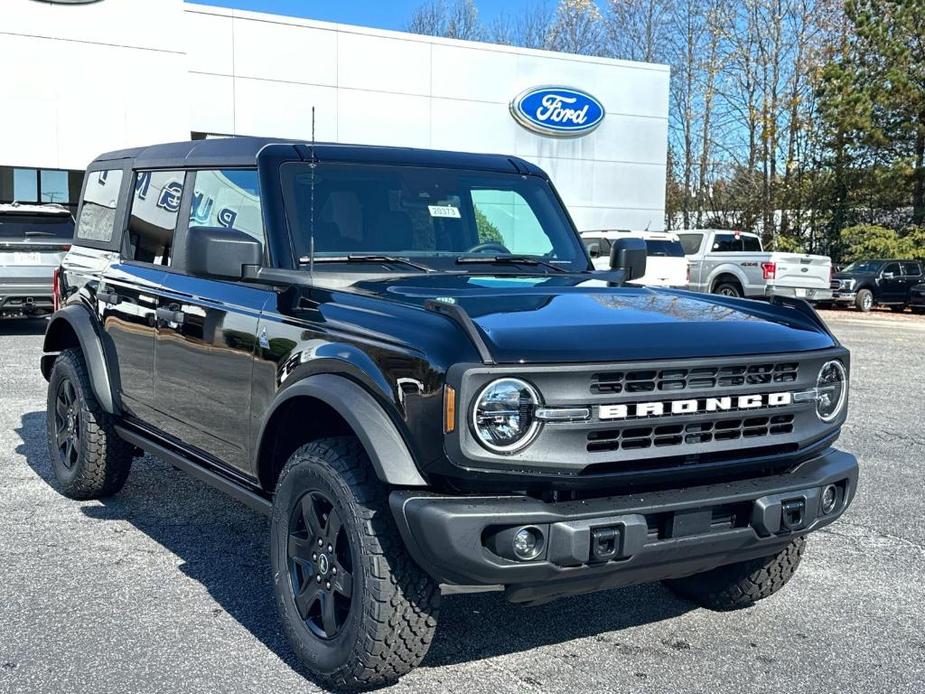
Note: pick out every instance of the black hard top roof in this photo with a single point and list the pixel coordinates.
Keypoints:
(242, 151)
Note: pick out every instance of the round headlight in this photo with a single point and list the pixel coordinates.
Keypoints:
(831, 390)
(503, 415)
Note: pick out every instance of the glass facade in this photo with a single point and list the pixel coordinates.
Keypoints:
(25, 184)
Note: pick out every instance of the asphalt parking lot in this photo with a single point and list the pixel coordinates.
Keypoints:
(166, 587)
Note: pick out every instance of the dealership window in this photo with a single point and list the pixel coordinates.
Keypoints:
(98, 213)
(155, 204)
(227, 198)
(27, 184)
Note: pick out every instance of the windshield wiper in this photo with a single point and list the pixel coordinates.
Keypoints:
(352, 258)
(508, 260)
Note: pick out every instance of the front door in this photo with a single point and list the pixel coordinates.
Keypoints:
(892, 284)
(207, 331)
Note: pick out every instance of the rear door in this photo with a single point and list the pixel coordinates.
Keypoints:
(207, 328)
(912, 275)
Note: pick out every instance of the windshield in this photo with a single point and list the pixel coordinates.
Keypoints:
(864, 266)
(23, 226)
(671, 249)
(431, 216)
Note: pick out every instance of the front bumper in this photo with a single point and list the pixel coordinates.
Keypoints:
(654, 536)
(844, 296)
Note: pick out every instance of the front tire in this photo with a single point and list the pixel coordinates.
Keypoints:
(356, 608)
(89, 459)
(864, 300)
(735, 586)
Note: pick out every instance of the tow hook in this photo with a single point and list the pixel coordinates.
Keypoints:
(605, 542)
(793, 514)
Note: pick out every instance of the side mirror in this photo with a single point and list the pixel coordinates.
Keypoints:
(593, 248)
(888, 275)
(629, 255)
(220, 252)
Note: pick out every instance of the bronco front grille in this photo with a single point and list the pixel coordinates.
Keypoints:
(659, 436)
(701, 377)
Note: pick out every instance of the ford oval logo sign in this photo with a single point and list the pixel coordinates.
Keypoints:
(558, 111)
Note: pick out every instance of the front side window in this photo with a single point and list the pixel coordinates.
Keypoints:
(891, 269)
(690, 243)
(228, 198)
(429, 215)
(155, 204)
(98, 213)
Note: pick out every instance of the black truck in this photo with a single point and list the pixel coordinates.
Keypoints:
(406, 359)
(868, 283)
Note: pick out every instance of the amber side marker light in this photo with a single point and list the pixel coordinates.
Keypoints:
(449, 409)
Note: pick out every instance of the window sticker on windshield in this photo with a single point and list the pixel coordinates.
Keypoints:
(444, 211)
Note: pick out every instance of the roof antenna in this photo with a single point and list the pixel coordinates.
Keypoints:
(311, 236)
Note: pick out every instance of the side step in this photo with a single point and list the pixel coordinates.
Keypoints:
(210, 476)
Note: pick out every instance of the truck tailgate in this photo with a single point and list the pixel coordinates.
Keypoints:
(795, 270)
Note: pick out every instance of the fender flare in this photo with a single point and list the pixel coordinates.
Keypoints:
(79, 319)
(379, 436)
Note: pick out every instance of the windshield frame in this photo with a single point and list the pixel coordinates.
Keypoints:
(563, 236)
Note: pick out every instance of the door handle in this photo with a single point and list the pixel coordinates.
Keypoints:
(169, 315)
(110, 298)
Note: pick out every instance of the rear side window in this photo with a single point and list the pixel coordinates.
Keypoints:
(153, 220)
(691, 243)
(670, 249)
(36, 226)
(98, 211)
(227, 198)
(912, 269)
(730, 243)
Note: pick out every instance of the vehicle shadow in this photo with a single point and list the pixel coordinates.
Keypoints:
(23, 326)
(223, 545)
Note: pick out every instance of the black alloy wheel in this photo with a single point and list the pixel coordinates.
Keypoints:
(67, 423)
(320, 565)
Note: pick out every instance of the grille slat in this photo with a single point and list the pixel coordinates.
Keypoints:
(637, 437)
(699, 378)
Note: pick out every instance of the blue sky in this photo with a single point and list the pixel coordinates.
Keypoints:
(384, 14)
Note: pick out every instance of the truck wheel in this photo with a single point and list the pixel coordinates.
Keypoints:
(741, 585)
(864, 300)
(356, 608)
(88, 457)
(728, 289)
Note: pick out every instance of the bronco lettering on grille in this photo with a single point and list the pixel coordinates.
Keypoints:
(693, 406)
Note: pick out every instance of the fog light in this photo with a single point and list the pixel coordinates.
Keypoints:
(528, 543)
(829, 499)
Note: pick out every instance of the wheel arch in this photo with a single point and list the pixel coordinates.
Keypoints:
(331, 405)
(73, 327)
(727, 274)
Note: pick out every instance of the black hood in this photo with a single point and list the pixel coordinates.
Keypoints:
(578, 319)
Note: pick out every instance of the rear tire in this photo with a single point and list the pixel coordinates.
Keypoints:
(88, 457)
(728, 289)
(864, 300)
(741, 585)
(356, 608)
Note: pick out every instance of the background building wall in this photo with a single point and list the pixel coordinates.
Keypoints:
(121, 73)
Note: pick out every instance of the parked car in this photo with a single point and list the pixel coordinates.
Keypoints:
(321, 332)
(733, 263)
(33, 240)
(917, 298)
(666, 265)
(868, 283)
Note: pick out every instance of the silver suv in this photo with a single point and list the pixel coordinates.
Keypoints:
(33, 241)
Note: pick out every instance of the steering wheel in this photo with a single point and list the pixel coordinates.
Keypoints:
(488, 246)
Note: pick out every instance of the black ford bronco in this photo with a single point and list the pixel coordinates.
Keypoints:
(406, 358)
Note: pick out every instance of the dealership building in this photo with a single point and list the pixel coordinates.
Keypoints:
(82, 78)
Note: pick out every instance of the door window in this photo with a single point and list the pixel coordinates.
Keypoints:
(891, 269)
(912, 269)
(726, 243)
(691, 243)
(153, 221)
(98, 213)
(228, 198)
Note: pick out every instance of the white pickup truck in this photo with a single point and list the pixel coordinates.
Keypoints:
(733, 263)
